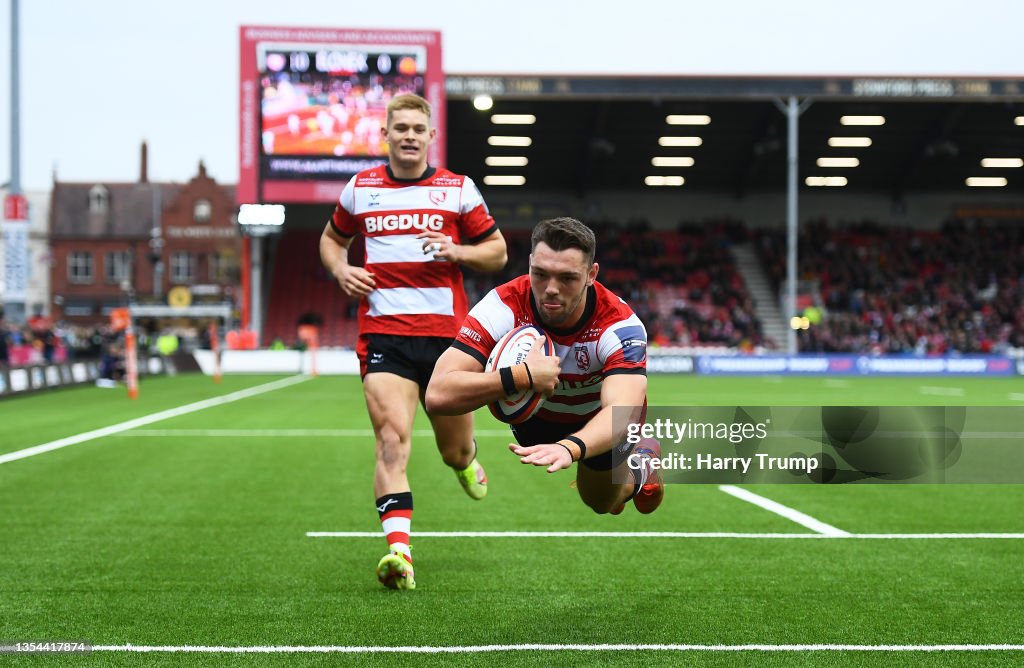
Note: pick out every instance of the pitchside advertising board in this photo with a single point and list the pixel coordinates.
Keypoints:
(313, 100)
(856, 365)
(666, 361)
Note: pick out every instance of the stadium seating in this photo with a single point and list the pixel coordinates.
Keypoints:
(301, 291)
(906, 291)
(682, 283)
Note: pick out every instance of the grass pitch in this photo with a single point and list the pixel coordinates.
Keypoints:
(192, 531)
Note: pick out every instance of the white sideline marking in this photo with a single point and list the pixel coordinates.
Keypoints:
(479, 649)
(787, 512)
(278, 433)
(564, 534)
(666, 534)
(149, 419)
(937, 535)
(942, 391)
(1016, 396)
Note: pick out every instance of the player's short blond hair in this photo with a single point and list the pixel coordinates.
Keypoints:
(408, 101)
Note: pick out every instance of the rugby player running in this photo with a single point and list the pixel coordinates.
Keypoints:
(419, 223)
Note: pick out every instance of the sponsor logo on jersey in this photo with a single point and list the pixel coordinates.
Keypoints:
(438, 196)
(374, 200)
(590, 381)
(634, 343)
(403, 221)
(471, 333)
(446, 181)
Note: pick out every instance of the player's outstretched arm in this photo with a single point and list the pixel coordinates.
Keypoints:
(606, 429)
(487, 255)
(555, 456)
(459, 383)
(625, 392)
(354, 281)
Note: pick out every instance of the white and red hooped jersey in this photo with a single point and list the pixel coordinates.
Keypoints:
(415, 294)
(608, 339)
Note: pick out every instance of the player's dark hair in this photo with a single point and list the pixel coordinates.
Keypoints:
(563, 233)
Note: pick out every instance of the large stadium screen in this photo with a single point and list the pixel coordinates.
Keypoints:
(322, 107)
(312, 109)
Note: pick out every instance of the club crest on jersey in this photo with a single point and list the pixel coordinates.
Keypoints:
(582, 358)
(438, 196)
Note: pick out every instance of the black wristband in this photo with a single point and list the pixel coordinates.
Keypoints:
(567, 450)
(528, 374)
(578, 441)
(508, 383)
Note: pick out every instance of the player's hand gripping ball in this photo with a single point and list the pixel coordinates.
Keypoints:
(512, 349)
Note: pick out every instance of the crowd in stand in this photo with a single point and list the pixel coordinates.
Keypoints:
(886, 290)
(40, 341)
(682, 283)
(874, 289)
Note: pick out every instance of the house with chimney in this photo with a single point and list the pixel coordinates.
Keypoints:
(112, 244)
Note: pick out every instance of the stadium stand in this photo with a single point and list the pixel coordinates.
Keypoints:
(302, 292)
(894, 290)
(683, 283)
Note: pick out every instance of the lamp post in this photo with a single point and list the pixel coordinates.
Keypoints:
(15, 220)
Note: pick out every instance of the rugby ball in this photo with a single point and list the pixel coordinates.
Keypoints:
(511, 349)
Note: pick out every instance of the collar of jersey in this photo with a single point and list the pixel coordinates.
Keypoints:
(425, 175)
(588, 313)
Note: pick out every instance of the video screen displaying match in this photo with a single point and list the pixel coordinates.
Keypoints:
(322, 107)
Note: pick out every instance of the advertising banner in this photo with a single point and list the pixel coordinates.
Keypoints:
(849, 365)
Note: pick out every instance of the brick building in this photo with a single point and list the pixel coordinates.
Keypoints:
(112, 243)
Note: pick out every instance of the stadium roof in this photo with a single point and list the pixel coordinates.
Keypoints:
(595, 134)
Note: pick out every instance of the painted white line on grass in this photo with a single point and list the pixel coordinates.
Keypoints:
(942, 391)
(1016, 396)
(836, 383)
(670, 534)
(285, 433)
(479, 649)
(150, 419)
(937, 535)
(785, 511)
(565, 534)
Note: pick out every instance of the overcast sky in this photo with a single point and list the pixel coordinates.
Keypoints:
(98, 77)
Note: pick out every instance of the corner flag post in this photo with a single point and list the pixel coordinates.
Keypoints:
(131, 361)
(215, 348)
